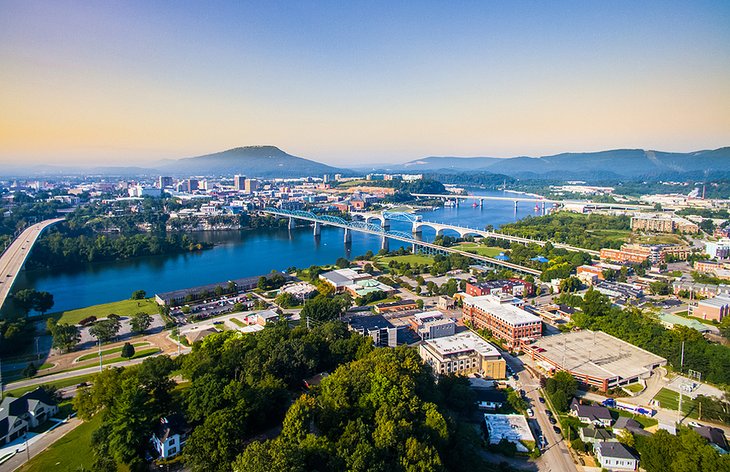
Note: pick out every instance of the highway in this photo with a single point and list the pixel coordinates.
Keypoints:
(14, 257)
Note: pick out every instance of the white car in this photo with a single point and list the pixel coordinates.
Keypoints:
(694, 424)
(530, 412)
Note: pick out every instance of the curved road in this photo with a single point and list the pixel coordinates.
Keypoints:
(14, 257)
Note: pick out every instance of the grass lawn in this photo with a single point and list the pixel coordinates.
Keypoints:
(634, 388)
(95, 355)
(68, 453)
(46, 365)
(489, 251)
(57, 383)
(410, 258)
(670, 399)
(619, 235)
(237, 322)
(384, 300)
(121, 308)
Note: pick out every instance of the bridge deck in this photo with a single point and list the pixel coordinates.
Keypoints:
(12, 260)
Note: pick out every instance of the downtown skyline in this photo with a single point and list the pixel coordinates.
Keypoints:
(132, 83)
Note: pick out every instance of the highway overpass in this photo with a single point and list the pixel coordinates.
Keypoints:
(12, 260)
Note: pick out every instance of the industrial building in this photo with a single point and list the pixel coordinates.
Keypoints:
(432, 324)
(594, 358)
(513, 428)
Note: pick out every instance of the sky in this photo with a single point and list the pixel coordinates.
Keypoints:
(348, 83)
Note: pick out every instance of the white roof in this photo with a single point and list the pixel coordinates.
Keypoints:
(508, 313)
(719, 301)
(428, 314)
(462, 342)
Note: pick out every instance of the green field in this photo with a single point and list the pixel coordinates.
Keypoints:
(489, 251)
(644, 421)
(114, 360)
(95, 355)
(609, 235)
(121, 308)
(670, 399)
(71, 452)
(237, 322)
(410, 258)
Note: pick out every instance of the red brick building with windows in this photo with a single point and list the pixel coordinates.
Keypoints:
(512, 324)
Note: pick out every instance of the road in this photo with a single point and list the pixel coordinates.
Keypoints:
(38, 445)
(556, 457)
(14, 257)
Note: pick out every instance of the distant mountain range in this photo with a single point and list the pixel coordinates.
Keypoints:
(618, 163)
(271, 162)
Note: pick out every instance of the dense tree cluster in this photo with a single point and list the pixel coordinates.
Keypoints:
(131, 401)
(664, 452)
(30, 299)
(240, 385)
(591, 231)
(60, 247)
(382, 412)
(561, 388)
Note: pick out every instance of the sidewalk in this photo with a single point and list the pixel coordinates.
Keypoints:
(37, 444)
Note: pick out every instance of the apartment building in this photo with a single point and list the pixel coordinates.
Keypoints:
(506, 321)
(463, 354)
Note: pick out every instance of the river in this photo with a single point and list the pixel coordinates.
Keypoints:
(240, 254)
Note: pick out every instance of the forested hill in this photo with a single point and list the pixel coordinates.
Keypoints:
(251, 161)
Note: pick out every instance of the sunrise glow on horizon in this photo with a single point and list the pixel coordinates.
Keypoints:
(359, 82)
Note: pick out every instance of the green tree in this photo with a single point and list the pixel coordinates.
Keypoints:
(140, 322)
(571, 284)
(322, 308)
(104, 330)
(286, 300)
(127, 351)
(139, 295)
(65, 336)
(342, 263)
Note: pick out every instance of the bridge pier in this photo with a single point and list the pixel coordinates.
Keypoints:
(317, 229)
(543, 208)
(386, 224)
(384, 244)
(416, 228)
(515, 204)
(456, 202)
(348, 236)
(481, 203)
(292, 223)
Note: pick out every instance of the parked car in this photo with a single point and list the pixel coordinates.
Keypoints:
(530, 412)
(553, 420)
(557, 430)
(542, 400)
(548, 412)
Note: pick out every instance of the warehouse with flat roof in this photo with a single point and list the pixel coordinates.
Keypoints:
(594, 358)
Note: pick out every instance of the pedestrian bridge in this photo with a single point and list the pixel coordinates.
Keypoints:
(385, 233)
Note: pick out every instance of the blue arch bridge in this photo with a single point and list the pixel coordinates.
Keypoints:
(383, 230)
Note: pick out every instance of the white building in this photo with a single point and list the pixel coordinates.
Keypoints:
(463, 354)
(433, 324)
(513, 428)
(614, 456)
(718, 249)
(140, 191)
(170, 436)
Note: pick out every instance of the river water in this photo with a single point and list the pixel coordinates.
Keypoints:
(241, 254)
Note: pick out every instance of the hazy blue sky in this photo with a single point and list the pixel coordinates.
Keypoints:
(346, 82)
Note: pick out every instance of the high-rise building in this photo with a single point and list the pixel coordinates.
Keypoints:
(239, 182)
(164, 182)
(250, 185)
(187, 185)
(326, 178)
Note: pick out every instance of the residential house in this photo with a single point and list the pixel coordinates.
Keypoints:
(170, 435)
(715, 436)
(592, 414)
(18, 415)
(626, 424)
(615, 456)
(593, 435)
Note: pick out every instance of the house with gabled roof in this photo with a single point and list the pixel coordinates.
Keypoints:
(18, 415)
